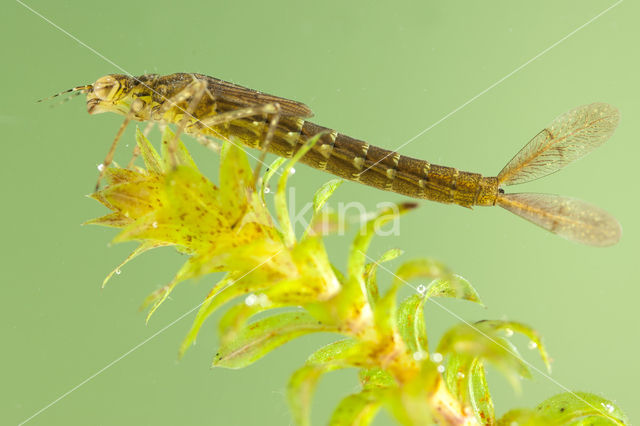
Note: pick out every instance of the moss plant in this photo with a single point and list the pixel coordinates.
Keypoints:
(227, 228)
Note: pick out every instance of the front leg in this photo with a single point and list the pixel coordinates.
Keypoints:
(194, 92)
(271, 110)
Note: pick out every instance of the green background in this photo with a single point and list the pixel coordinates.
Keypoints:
(378, 72)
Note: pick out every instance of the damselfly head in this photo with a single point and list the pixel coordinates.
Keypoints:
(108, 94)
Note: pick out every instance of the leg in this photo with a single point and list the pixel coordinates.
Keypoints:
(237, 114)
(109, 158)
(207, 143)
(272, 110)
(194, 90)
(273, 124)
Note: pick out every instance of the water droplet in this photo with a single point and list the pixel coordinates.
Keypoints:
(421, 289)
(292, 171)
(608, 406)
(267, 190)
(508, 332)
(437, 357)
(532, 344)
(154, 224)
(460, 375)
(441, 369)
(118, 271)
(263, 300)
(100, 167)
(419, 355)
(251, 300)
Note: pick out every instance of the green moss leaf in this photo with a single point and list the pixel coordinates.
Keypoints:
(236, 178)
(422, 268)
(456, 376)
(573, 409)
(354, 295)
(411, 324)
(303, 382)
(152, 160)
(333, 352)
(373, 378)
(485, 345)
(581, 408)
(511, 327)
(453, 286)
(386, 316)
(360, 245)
(145, 246)
(302, 386)
(322, 222)
(284, 293)
(357, 409)
(272, 170)
(371, 270)
(465, 378)
(324, 192)
(444, 282)
(183, 158)
(206, 309)
(282, 211)
(479, 395)
(408, 404)
(261, 337)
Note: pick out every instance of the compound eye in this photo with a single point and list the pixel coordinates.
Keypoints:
(105, 88)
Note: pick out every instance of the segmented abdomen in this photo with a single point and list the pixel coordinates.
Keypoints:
(356, 160)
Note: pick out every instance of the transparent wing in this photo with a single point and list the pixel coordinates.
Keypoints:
(568, 138)
(572, 219)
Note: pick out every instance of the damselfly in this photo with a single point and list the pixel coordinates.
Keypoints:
(208, 107)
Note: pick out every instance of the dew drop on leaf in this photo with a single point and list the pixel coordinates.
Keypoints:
(251, 300)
